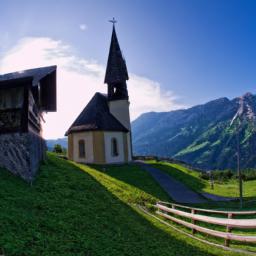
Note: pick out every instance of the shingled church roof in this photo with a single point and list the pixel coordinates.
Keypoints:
(116, 71)
(96, 117)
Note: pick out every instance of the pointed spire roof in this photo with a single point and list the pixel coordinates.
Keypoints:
(116, 71)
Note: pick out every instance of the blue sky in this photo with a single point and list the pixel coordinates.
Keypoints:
(197, 50)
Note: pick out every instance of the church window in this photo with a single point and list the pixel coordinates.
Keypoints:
(81, 145)
(114, 147)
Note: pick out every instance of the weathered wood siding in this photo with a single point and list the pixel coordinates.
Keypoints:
(19, 111)
(11, 109)
(34, 122)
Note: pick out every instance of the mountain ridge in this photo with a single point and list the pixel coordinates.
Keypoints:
(61, 141)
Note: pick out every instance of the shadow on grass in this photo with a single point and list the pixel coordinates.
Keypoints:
(134, 175)
(72, 211)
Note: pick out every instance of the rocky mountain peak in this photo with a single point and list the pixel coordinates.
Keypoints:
(247, 107)
(248, 95)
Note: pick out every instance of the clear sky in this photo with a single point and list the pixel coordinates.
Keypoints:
(179, 53)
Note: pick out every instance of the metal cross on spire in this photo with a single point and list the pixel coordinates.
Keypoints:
(113, 21)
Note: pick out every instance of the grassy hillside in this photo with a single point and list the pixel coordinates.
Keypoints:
(192, 179)
(74, 209)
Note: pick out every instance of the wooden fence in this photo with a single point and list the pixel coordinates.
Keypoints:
(165, 209)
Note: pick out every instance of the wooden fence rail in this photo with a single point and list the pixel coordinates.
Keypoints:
(194, 217)
(209, 210)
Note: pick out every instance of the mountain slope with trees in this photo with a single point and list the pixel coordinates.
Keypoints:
(202, 135)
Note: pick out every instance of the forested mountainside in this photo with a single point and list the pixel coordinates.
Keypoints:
(202, 135)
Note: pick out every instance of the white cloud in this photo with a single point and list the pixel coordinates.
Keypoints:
(78, 79)
(83, 27)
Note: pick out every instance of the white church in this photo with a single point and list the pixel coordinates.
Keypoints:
(101, 134)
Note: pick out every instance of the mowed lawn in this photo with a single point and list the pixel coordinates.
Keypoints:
(74, 209)
(192, 179)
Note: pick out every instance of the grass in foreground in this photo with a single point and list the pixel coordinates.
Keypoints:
(192, 179)
(74, 209)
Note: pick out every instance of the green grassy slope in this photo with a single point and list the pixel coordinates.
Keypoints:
(191, 179)
(74, 209)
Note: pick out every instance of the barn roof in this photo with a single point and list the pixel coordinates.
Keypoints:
(96, 117)
(46, 76)
(36, 73)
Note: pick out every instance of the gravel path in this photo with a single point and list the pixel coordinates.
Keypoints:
(175, 189)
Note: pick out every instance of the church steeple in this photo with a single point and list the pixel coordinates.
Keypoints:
(116, 72)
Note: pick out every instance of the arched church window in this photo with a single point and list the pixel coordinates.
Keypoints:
(81, 146)
(114, 147)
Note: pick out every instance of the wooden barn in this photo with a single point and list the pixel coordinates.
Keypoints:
(24, 96)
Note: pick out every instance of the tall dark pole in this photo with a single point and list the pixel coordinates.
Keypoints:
(238, 168)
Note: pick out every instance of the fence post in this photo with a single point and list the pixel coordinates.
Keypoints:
(228, 230)
(193, 211)
(160, 210)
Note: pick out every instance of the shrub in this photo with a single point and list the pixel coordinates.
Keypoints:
(217, 175)
(204, 175)
(57, 149)
(249, 174)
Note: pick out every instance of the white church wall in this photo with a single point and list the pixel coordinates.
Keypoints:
(108, 136)
(129, 147)
(88, 138)
(120, 110)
